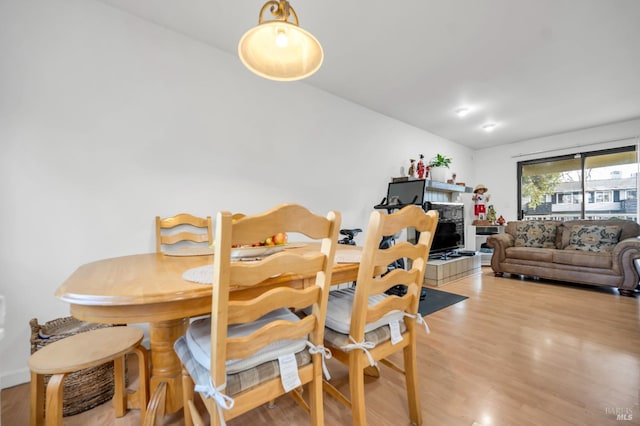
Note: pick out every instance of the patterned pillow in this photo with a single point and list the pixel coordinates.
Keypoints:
(593, 238)
(536, 234)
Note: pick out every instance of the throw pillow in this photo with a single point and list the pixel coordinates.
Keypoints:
(596, 238)
(536, 234)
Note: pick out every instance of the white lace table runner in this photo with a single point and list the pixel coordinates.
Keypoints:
(200, 275)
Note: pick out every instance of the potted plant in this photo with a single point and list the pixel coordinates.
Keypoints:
(438, 166)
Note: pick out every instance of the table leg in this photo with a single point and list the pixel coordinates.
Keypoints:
(165, 364)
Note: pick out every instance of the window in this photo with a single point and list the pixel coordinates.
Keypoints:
(591, 185)
(602, 196)
(569, 198)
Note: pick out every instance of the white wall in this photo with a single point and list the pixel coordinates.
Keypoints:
(107, 121)
(497, 167)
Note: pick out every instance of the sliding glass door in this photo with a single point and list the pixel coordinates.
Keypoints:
(591, 185)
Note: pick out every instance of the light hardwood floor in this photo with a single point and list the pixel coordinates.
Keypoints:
(516, 352)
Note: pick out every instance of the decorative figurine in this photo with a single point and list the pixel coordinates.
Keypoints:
(501, 220)
(480, 198)
(491, 215)
(421, 168)
(412, 168)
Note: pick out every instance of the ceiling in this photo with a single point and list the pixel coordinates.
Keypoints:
(534, 67)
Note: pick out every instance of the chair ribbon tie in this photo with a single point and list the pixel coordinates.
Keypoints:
(222, 401)
(364, 345)
(420, 321)
(326, 354)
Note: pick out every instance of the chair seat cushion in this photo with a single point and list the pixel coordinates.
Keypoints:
(198, 338)
(237, 382)
(340, 306)
(377, 336)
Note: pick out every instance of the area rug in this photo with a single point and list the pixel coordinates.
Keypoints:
(436, 300)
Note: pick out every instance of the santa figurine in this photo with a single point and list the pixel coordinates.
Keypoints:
(480, 198)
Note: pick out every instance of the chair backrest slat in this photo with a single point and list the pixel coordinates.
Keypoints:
(243, 311)
(251, 229)
(249, 274)
(184, 236)
(403, 249)
(389, 304)
(395, 277)
(241, 347)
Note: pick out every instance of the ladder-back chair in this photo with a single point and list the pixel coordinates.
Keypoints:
(364, 325)
(183, 227)
(234, 356)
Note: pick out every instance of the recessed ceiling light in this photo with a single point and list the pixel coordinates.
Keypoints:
(489, 127)
(462, 112)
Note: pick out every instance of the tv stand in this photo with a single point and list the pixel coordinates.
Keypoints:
(479, 235)
(441, 271)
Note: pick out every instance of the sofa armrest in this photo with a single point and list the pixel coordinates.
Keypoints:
(499, 243)
(624, 253)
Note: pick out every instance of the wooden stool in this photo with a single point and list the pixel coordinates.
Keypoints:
(82, 351)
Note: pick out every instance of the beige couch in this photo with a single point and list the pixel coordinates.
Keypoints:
(596, 252)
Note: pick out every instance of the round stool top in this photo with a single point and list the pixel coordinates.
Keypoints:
(85, 350)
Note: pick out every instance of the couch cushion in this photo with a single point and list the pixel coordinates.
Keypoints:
(536, 234)
(597, 238)
(589, 259)
(531, 253)
(629, 228)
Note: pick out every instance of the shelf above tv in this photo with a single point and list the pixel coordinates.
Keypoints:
(442, 188)
(434, 185)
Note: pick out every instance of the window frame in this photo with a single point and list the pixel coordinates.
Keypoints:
(584, 197)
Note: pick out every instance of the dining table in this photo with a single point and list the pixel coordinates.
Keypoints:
(152, 288)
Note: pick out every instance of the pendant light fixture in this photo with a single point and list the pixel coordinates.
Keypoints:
(278, 49)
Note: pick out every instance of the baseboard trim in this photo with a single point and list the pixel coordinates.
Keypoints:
(14, 378)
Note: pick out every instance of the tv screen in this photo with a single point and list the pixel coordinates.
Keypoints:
(446, 238)
(408, 192)
(449, 234)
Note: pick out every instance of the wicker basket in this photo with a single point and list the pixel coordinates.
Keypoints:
(83, 389)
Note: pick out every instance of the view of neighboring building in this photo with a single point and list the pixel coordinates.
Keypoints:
(605, 199)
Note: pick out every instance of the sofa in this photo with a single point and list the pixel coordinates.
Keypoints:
(594, 252)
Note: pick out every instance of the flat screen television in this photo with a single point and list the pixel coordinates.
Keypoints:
(449, 234)
(404, 193)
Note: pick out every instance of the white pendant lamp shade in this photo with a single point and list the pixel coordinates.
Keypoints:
(280, 50)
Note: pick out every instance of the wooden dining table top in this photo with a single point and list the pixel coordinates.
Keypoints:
(140, 287)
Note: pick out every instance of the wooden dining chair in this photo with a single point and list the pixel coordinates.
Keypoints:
(365, 325)
(253, 348)
(85, 350)
(183, 227)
